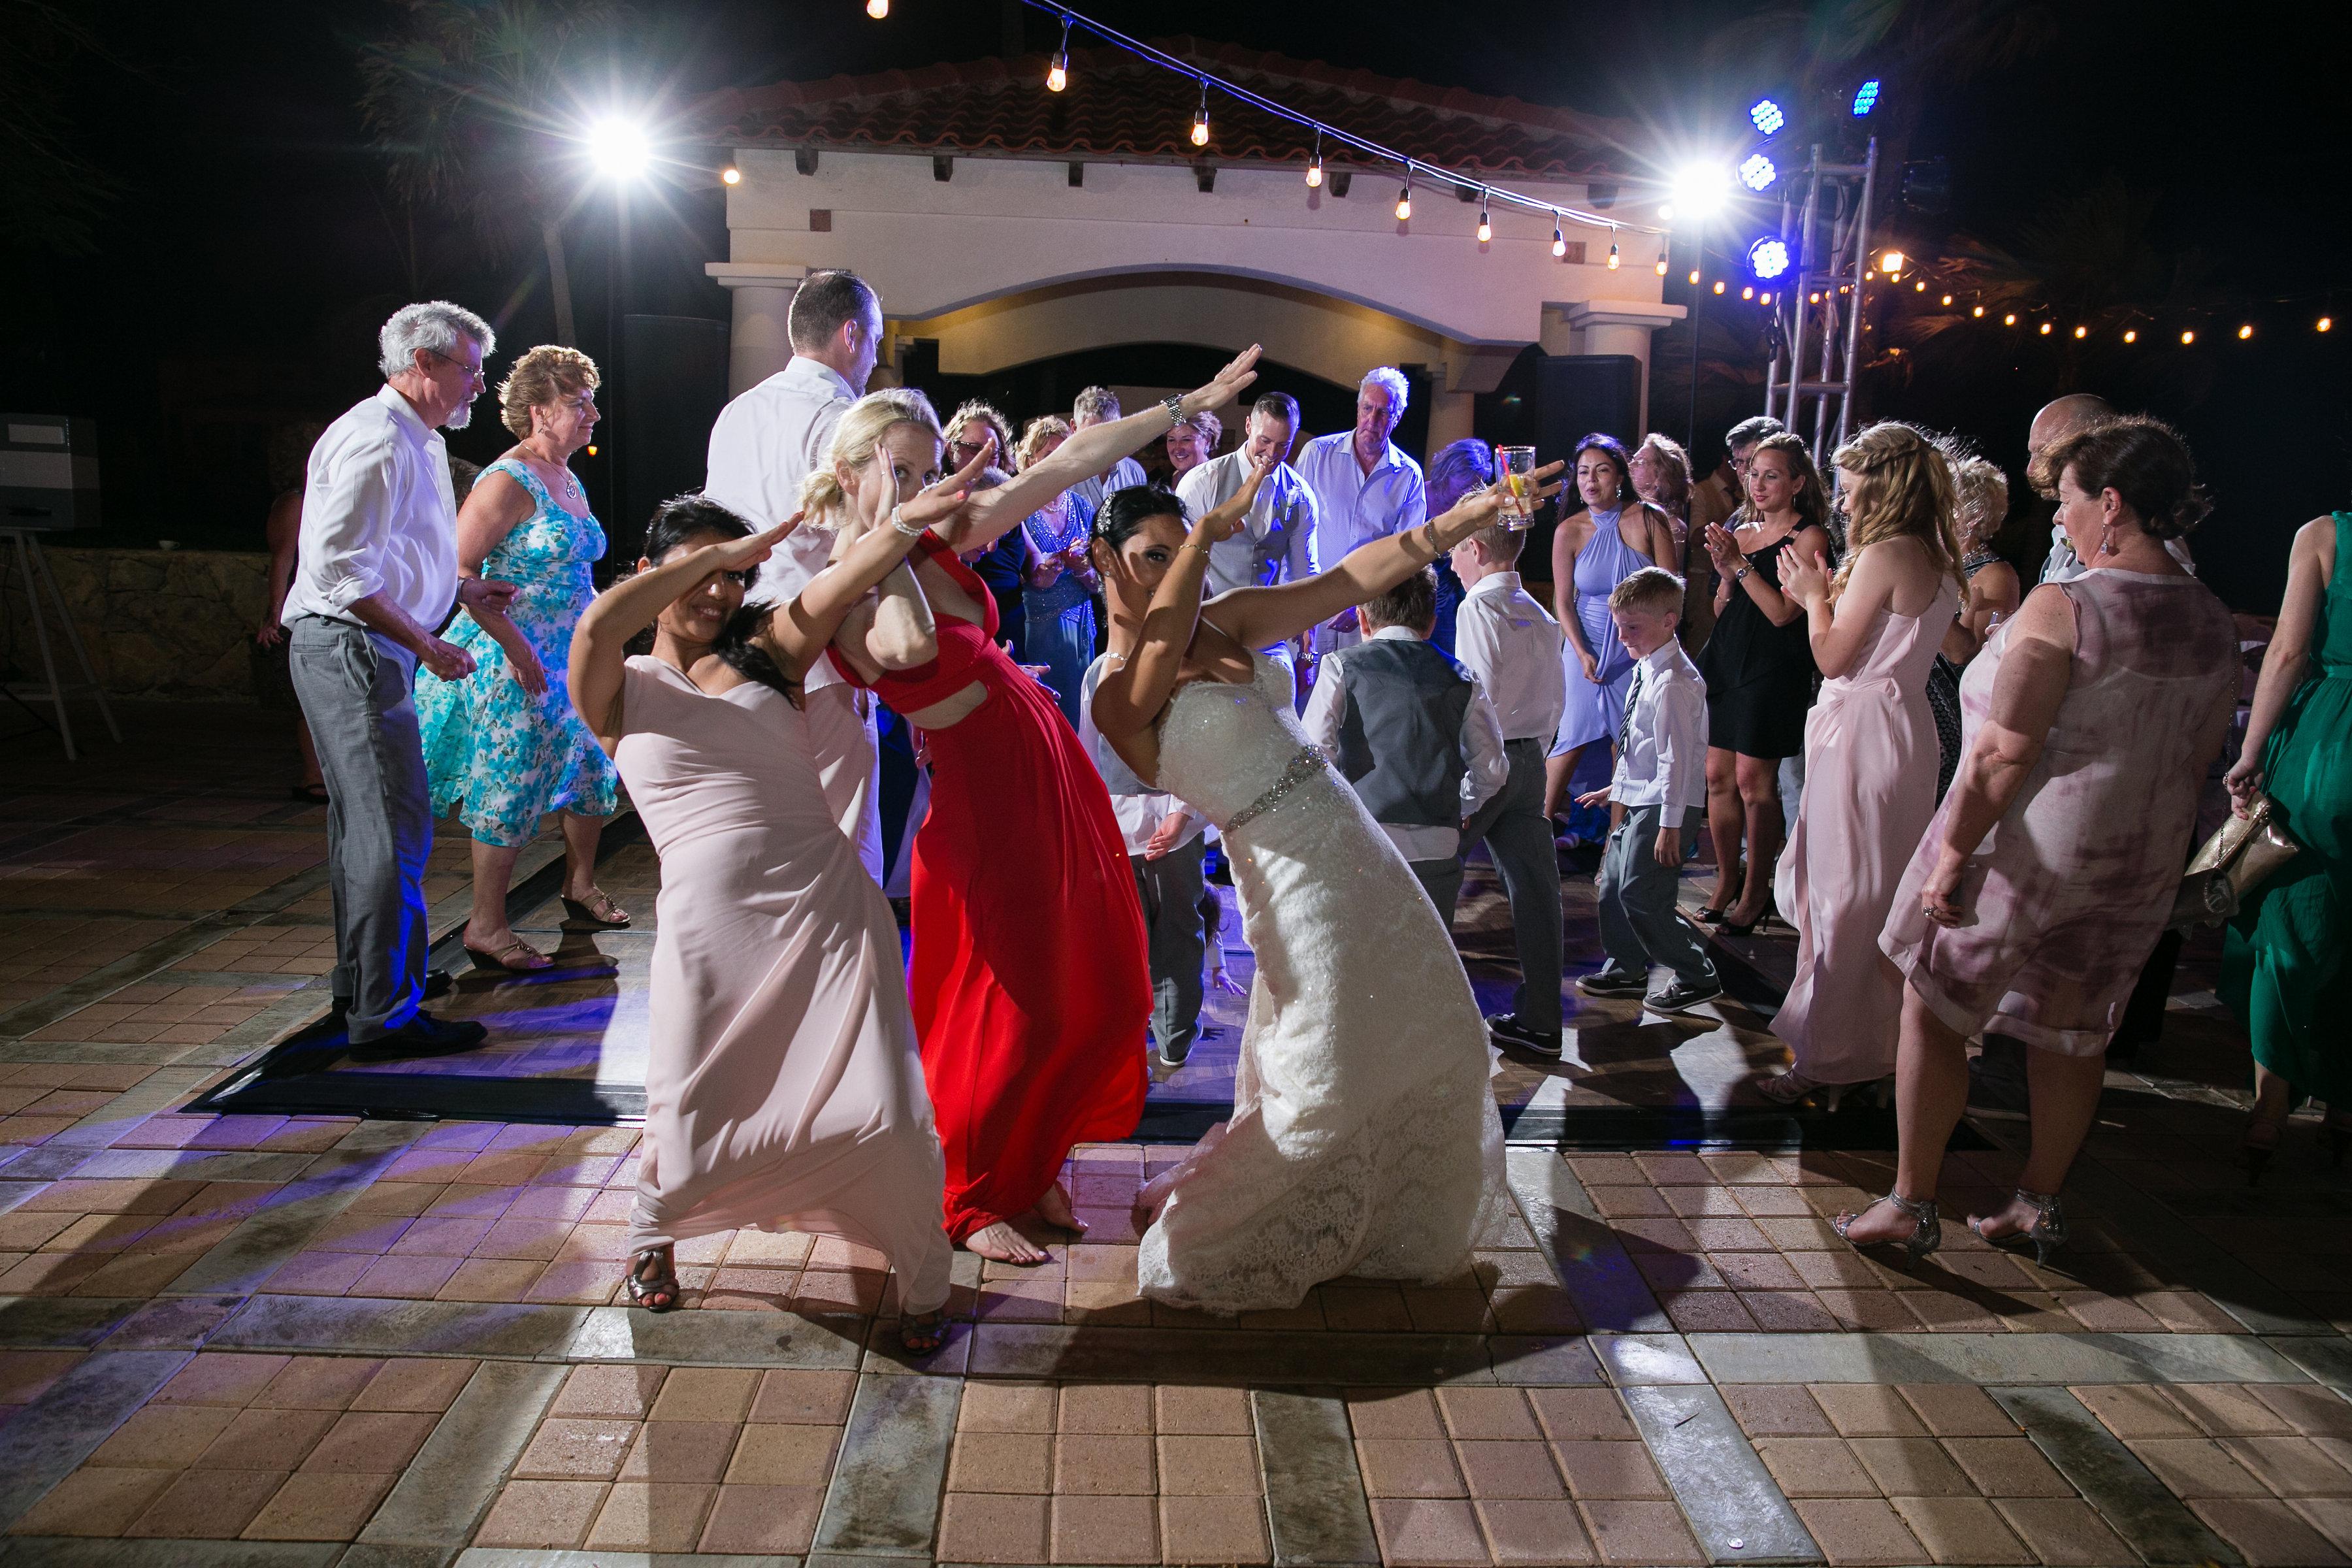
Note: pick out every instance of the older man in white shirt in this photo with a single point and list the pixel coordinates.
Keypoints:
(375, 579)
(766, 443)
(1099, 405)
(1276, 543)
(2057, 420)
(1364, 488)
(1511, 644)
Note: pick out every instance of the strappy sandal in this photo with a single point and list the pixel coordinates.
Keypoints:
(1926, 1229)
(656, 1292)
(597, 909)
(923, 1333)
(505, 960)
(2046, 1232)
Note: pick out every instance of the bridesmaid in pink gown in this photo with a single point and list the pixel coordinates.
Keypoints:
(782, 1088)
(1871, 757)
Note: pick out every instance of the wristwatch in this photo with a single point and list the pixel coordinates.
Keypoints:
(1175, 406)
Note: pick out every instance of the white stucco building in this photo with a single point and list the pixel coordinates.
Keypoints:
(1008, 224)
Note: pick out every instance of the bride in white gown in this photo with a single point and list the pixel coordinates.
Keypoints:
(1364, 1138)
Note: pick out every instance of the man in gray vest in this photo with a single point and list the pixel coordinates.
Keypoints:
(1414, 732)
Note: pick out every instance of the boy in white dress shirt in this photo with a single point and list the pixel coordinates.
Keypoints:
(1165, 850)
(1503, 636)
(1659, 788)
(1413, 732)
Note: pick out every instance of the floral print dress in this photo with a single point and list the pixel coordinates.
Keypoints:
(500, 756)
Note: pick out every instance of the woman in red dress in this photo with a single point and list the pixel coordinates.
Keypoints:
(1030, 983)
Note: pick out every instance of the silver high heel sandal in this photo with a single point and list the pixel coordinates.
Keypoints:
(1927, 1234)
(2046, 1235)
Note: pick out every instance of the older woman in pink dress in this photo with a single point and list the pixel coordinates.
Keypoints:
(1870, 754)
(2048, 871)
(782, 1087)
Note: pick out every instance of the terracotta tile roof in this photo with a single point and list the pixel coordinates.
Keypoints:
(1118, 106)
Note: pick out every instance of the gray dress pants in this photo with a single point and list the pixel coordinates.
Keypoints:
(354, 687)
(1171, 888)
(1442, 880)
(1638, 924)
(1518, 837)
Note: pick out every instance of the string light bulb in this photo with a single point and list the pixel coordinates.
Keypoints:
(1718, 285)
(1747, 292)
(1694, 275)
(1613, 256)
(1661, 268)
(730, 175)
(1764, 298)
(2245, 332)
(2082, 331)
(877, 9)
(2045, 329)
(1559, 240)
(2010, 320)
(1315, 167)
(1947, 299)
(1201, 117)
(2131, 334)
(1920, 287)
(1404, 196)
(2187, 338)
(1057, 76)
(1814, 297)
(1979, 310)
(1486, 226)
(2326, 323)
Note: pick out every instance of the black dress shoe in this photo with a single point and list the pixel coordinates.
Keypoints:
(423, 1035)
(1507, 1030)
(436, 985)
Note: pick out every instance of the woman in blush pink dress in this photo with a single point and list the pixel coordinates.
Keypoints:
(1870, 754)
(782, 1087)
(2050, 869)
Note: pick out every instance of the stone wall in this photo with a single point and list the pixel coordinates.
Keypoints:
(158, 623)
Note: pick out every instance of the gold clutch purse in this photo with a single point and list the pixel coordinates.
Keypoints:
(2244, 853)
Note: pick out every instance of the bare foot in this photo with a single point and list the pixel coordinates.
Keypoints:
(1055, 1209)
(1004, 1244)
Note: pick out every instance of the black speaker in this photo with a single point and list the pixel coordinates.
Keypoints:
(673, 384)
(1577, 395)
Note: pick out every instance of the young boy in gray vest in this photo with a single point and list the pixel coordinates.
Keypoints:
(1164, 850)
(1413, 731)
(1658, 793)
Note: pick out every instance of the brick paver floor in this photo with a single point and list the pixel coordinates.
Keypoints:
(295, 1339)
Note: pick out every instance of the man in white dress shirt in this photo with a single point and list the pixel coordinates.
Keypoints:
(1660, 792)
(1364, 488)
(1276, 543)
(1412, 730)
(376, 581)
(1099, 405)
(2075, 412)
(765, 444)
(1512, 644)
(1164, 849)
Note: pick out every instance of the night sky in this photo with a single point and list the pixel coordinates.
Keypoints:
(251, 252)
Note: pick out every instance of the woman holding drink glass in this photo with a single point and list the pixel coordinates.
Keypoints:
(1616, 535)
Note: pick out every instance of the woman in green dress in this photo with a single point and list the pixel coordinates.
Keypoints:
(2282, 967)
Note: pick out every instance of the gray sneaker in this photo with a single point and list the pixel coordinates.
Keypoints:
(1612, 982)
(1683, 995)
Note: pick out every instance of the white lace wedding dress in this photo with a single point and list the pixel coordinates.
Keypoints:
(1364, 1139)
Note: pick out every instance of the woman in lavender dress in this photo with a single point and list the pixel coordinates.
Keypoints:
(2048, 871)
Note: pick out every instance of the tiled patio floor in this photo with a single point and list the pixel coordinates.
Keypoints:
(314, 1339)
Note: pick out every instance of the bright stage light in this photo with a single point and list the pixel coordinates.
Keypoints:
(1699, 191)
(1758, 171)
(1768, 257)
(1865, 98)
(618, 149)
(1765, 116)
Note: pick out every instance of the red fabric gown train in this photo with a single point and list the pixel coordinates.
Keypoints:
(1029, 982)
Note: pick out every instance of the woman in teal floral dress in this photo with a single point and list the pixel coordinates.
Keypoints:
(504, 748)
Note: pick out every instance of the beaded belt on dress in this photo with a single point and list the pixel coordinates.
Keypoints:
(1304, 767)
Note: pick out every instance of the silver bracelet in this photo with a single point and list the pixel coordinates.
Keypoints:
(915, 532)
(1175, 406)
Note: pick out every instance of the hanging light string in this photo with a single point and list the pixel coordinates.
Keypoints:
(1500, 194)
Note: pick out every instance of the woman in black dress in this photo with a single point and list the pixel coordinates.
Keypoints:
(1759, 674)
